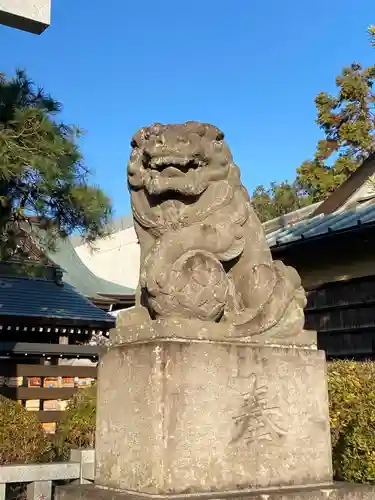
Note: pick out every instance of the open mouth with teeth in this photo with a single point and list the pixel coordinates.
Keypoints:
(175, 167)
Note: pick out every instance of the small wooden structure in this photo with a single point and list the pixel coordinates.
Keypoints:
(45, 389)
(331, 244)
(44, 325)
(335, 257)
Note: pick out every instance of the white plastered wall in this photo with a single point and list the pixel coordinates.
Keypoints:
(115, 258)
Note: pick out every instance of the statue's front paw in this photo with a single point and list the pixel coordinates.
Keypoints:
(197, 288)
(132, 316)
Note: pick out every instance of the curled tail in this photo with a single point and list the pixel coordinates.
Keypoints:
(285, 289)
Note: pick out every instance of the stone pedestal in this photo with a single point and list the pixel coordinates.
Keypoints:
(209, 420)
(181, 416)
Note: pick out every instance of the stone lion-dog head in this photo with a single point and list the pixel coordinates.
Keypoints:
(182, 159)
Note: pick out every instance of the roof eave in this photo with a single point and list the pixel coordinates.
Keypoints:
(73, 321)
(290, 218)
(341, 194)
(325, 236)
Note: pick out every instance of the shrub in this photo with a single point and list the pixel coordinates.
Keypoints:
(77, 429)
(352, 412)
(22, 439)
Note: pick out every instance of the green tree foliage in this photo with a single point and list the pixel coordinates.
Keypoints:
(277, 200)
(42, 173)
(77, 429)
(347, 121)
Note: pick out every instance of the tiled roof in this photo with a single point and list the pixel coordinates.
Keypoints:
(42, 298)
(80, 276)
(322, 225)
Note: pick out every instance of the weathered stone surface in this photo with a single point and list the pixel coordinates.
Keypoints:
(39, 490)
(204, 255)
(27, 15)
(328, 492)
(195, 416)
(128, 331)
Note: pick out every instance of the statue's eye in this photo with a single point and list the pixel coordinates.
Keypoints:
(134, 143)
(201, 130)
(220, 136)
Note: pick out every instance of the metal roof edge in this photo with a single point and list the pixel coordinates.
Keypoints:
(296, 234)
(295, 216)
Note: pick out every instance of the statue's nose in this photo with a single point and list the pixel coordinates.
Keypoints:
(160, 140)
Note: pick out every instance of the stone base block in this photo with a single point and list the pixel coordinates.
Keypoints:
(133, 326)
(176, 417)
(328, 492)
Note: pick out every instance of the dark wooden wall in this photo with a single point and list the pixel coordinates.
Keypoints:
(343, 314)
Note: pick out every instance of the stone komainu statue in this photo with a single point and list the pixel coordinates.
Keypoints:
(203, 250)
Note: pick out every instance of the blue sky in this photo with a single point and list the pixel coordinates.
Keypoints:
(252, 68)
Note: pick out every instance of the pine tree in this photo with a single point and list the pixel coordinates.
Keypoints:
(348, 123)
(42, 173)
